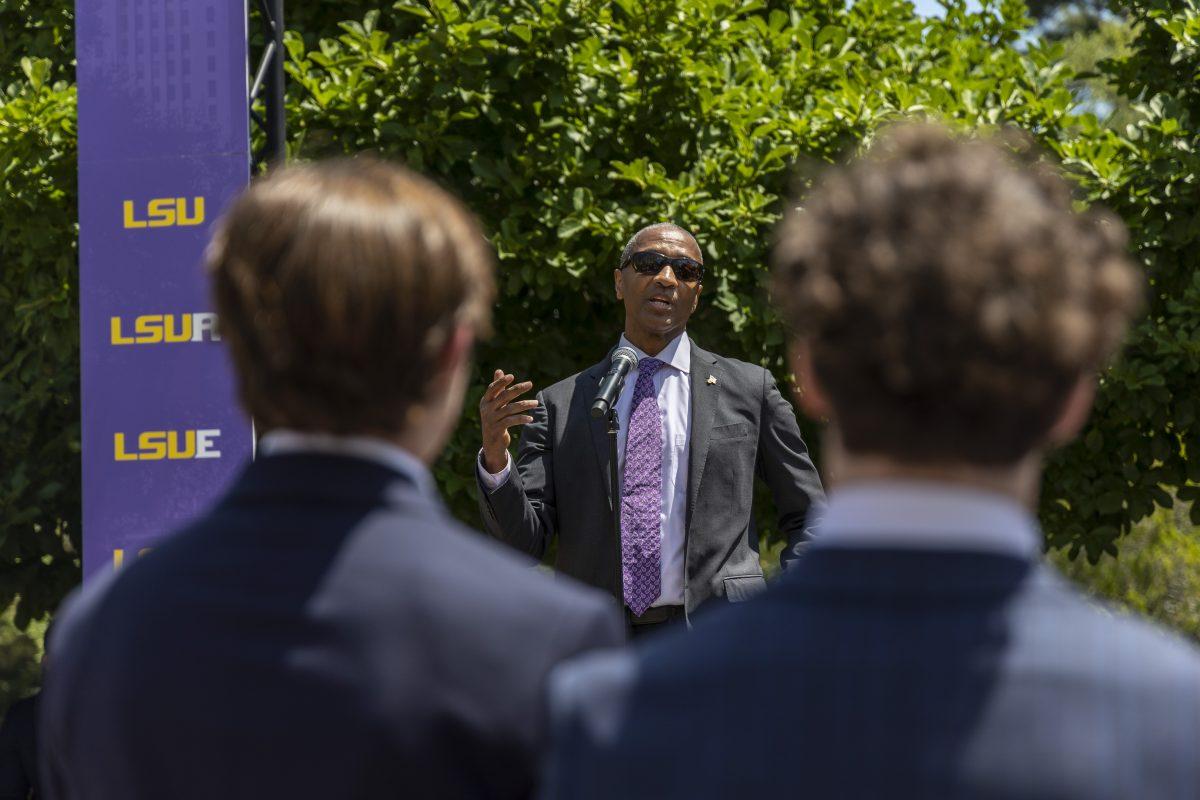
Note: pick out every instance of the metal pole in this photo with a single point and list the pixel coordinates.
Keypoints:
(614, 425)
(268, 84)
(276, 131)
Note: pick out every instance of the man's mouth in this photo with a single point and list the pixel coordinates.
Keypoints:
(660, 302)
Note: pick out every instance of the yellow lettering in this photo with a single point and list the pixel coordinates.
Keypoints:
(119, 448)
(130, 220)
(173, 445)
(162, 212)
(182, 335)
(117, 338)
(152, 445)
(149, 329)
(189, 449)
(197, 208)
(119, 555)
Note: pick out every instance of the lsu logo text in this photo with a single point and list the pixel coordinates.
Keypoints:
(119, 555)
(165, 212)
(170, 445)
(166, 328)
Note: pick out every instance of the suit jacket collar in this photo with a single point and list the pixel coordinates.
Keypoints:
(369, 448)
(894, 514)
(333, 478)
(677, 354)
(887, 575)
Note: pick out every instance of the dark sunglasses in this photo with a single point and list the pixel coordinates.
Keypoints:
(650, 262)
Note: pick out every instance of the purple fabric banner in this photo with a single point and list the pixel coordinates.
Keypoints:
(163, 147)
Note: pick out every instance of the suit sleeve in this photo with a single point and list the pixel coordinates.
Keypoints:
(784, 463)
(588, 700)
(595, 627)
(14, 781)
(521, 511)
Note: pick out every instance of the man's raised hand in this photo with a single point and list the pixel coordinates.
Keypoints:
(499, 409)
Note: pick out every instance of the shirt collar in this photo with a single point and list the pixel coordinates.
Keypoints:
(919, 515)
(368, 448)
(677, 353)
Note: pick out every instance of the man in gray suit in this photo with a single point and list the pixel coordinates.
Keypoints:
(951, 310)
(694, 430)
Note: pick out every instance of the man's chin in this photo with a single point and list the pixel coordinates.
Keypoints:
(659, 322)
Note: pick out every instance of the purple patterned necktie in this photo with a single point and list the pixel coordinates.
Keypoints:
(641, 495)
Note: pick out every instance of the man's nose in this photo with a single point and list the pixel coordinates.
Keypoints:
(666, 276)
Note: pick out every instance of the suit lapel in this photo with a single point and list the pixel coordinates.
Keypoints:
(599, 429)
(703, 409)
(704, 406)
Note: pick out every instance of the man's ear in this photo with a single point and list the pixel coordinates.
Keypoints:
(696, 299)
(810, 395)
(456, 352)
(1074, 413)
(619, 279)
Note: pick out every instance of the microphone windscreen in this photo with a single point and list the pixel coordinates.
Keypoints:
(626, 353)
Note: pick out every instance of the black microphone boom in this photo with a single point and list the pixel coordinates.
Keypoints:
(624, 361)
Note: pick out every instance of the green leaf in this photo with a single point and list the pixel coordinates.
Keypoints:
(415, 10)
(37, 70)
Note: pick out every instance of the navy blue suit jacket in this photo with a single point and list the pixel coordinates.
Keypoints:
(889, 674)
(18, 751)
(325, 631)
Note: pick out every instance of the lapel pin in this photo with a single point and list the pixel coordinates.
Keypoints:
(712, 381)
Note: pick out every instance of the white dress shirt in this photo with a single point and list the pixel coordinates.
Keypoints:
(283, 441)
(927, 516)
(674, 394)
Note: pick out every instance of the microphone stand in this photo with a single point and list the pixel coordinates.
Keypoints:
(614, 425)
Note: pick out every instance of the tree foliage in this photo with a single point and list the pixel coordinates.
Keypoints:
(1082, 52)
(34, 29)
(1048, 10)
(39, 342)
(1156, 573)
(20, 658)
(1144, 430)
(567, 125)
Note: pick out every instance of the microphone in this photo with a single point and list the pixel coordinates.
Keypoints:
(624, 361)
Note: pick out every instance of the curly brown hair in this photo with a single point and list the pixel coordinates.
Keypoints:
(950, 295)
(337, 284)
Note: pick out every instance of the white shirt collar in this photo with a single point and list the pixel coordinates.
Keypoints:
(677, 353)
(920, 515)
(368, 448)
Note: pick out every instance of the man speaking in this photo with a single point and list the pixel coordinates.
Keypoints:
(694, 429)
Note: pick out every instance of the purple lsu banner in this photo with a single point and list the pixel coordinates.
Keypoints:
(163, 148)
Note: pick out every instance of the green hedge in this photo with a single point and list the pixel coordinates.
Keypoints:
(1156, 572)
(39, 343)
(1137, 448)
(568, 125)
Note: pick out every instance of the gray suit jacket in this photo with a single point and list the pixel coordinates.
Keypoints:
(923, 674)
(741, 426)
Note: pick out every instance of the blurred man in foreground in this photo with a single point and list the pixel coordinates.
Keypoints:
(326, 630)
(950, 311)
